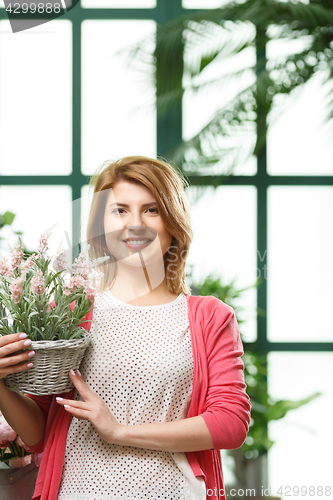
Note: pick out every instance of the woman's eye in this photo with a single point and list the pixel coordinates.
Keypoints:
(117, 210)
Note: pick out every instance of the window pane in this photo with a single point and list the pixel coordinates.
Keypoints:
(123, 4)
(37, 208)
(300, 266)
(301, 455)
(213, 90)
(299, 140)
(224, 242)
(116, 120)
(86, 199)
(36, 100)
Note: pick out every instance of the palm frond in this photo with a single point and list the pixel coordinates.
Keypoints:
(216, 34)
(310, 15)
(186, 47)
(171, 99)
(206, 42)
(230, 18)
(229, 135)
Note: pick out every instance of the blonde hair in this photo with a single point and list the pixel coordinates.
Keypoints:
(167, 184)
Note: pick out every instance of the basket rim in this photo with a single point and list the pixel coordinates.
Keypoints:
(60, 343)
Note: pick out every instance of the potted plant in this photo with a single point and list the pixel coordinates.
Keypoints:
(49, 305)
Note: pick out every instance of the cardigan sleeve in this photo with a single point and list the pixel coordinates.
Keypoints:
(227, 413)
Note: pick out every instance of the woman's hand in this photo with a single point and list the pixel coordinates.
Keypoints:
(9, 362)
(92, 408)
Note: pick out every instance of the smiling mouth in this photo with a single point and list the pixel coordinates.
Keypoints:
(139, 243)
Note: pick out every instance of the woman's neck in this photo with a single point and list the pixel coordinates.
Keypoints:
(134, 281)
(143, 295)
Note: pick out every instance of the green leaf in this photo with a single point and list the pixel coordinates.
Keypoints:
(8, 218)
(279, 409)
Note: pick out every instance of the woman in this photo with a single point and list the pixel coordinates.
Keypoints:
(162, 387)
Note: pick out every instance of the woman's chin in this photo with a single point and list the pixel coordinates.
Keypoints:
(143, 260)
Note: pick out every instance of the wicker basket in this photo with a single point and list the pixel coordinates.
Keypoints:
(52, 362)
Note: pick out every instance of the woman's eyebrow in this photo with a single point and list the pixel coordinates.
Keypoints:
(127, 206)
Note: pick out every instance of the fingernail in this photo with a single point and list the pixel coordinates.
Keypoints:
(72, 372)
(66, 406)
(27, 342)
(30, 365)
(59, 399)
(23, 336)
(31, 353)
(78, 372)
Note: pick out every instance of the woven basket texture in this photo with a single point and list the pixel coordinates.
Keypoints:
(51, 364)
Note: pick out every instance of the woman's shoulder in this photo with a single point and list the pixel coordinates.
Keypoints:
(209, 301)
(207, 305)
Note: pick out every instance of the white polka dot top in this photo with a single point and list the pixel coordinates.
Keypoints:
(140, 363)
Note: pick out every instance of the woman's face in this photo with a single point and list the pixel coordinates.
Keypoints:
(132, 223)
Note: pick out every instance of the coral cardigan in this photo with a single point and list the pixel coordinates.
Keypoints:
(218, 396)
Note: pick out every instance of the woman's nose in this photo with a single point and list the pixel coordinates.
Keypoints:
(136, 220)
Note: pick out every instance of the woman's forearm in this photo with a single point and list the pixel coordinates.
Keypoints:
(189, 434)
(23, 415)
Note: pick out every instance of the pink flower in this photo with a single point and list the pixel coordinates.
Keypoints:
(16, 289)
(17, 256)
(85, 276)
(74, 283)
(90, 293)
(29, 263)
(3, 266)
(91, 284)
(22, 443)
(7, 434)
(37, 458)
(37, 283)
(82, 265)
(44, 241)
(78, 281)
(60, 262)
(9, 273)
